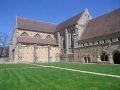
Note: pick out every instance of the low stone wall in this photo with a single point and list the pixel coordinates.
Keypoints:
(5, 60)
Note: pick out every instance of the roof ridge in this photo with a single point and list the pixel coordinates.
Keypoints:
(69, 22)
(72, 16)
(106, 13)
(36, 20)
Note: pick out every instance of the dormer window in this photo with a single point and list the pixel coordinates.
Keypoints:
(24, 34)
(37, 36)
(48, 37)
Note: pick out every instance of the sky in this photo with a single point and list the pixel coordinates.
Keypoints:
(54, 11)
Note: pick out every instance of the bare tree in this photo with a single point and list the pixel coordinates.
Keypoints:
(4, 38)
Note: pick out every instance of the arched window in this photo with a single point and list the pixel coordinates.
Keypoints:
(24, 34)
(104, 56)
(48, 37)
(88, 57)
(116, 57)
(37, 36)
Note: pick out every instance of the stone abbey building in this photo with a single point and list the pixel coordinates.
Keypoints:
(80, 38)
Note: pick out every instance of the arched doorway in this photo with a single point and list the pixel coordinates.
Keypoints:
(104, 56)
(88, 57)
(116, 57)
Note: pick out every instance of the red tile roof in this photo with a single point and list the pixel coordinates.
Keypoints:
(106, 24)
(36, 41)
(69, 22)
(34, 25)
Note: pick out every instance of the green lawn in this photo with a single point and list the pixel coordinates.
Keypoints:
(100, 68)
(17, 66)
(22, 77)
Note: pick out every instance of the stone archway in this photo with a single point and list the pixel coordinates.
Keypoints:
(88, 58)
(104, 56)
(116, 57)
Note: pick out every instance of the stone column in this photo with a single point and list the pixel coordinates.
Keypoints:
(111, 59)
(59, 41)
(67, 41)
(77, 28)
(98, 58)
(35, 53)
(20, 53)
(70, 40)
(83, 60)
(49, 48)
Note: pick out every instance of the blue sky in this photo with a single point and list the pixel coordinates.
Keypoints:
(54, 11)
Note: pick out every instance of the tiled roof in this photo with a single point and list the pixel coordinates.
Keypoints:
(69, 22)
(36, 41)
(106, 24)
(34, 25)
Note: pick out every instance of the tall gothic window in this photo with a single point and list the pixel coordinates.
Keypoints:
(24, 34)
(37, 36)
(64, 41)
(72, 38)
(49, 37)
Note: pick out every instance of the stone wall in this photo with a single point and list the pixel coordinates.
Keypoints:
(4, 60)
(28, 53)
(95, 53)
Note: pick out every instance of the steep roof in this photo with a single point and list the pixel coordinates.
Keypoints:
(36, 41)
(106, 24)
(69, 22)
(34, 25)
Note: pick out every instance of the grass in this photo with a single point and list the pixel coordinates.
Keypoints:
(17, 66)
(100, 68)
(21, 77)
